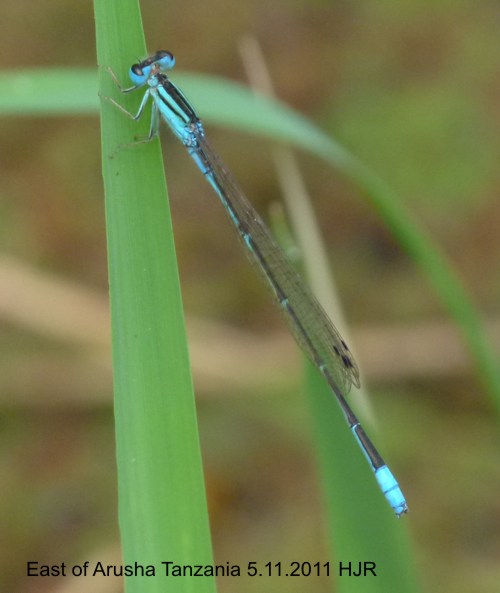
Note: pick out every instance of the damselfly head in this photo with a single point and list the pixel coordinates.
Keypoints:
(161, 60)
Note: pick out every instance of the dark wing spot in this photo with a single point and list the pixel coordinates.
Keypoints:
(347, 362)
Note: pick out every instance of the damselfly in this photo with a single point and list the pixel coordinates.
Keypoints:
(305, 317)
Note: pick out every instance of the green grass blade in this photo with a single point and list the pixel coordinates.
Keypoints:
(162, 506)
(48, 91)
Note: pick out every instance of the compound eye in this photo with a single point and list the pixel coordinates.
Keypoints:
(139, 73)
(165, 59)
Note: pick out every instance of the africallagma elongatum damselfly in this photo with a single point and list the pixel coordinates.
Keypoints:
(305, 317)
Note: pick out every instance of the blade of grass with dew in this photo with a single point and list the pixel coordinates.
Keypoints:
(162, 506)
